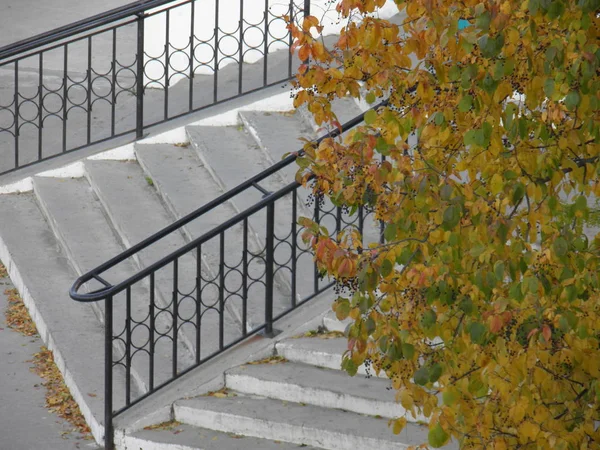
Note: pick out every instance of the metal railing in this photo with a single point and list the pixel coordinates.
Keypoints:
(133, 67)
(218, 289)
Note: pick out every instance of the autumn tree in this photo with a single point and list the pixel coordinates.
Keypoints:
(482, 302)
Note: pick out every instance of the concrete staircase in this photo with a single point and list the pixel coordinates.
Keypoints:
(59, 224)
(297, 399)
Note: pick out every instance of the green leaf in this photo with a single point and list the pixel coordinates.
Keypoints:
(451, 217)
(560, 246)
(572, 100)
(370, 117)
(428, 319)
(437, 437)
(342, 308)
(518, 193)
(549, 87)
(370, 98)
(390, 232)
(386, 268)
(435, 372)
(408, 350)
(421, 376)
(477, 332)
(466, 103)
(349, 366)
(449, 397)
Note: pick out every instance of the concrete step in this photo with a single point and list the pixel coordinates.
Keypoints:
(88, 239)
(217, 147)
(302, 383)
(325, 353)
(331, 322)
(181, 436)
(295, 423)
(136, 212)
(41, 271)
(280, 133)
(345, 109)
(184, 185)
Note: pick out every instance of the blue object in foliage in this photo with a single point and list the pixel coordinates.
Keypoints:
(463, 23)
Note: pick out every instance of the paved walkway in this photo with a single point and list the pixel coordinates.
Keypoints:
(25, 18)
(25, 424)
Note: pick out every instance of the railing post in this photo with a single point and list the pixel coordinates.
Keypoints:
(306, 8)
(108, 379)
(139, 92)
(269, 269)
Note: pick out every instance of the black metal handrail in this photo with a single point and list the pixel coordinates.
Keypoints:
(178, 224)
(95, 79)
(270, 286)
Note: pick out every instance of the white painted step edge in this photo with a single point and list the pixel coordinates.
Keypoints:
(287, 432)
(319, 397)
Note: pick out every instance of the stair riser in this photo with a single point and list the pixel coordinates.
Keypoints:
(318, 397)
(293, 433)
(318, 359)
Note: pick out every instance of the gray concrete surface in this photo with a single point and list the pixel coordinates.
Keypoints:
(25, 424)
(23, 19)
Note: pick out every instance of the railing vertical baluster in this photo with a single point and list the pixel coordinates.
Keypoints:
(40, 105)
(113, 82)
(128, 347)
(167, 62)
(361, 222)
(216, 58)
(306, 8)
(291, 39)
(221, 289)
(108, 374)
(198, 302)
(16, 113)
(192, 34)
(245, 280)
(65, 97)
(139, 123)
(269, 268)
(338, 221)
(294, 245)
(151, 333)
(316, 218)
(89, 91)
(175, 313)
(241, 54)
(266, 43)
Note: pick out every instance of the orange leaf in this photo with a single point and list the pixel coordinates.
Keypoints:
(547, 333)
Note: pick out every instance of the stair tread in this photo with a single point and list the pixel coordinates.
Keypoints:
(318, 378)
(299, 421)
(184, 183)
(36, 254)
(82, 223)
(318, 386)
(188, 437)
(278, 134)
(219, 146)
(137, 213)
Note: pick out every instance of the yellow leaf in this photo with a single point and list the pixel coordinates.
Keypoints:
(399, 425)
(496, 184)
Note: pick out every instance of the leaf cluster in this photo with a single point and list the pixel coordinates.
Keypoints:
(482, 301)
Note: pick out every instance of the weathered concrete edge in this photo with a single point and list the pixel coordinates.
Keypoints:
(96, 427)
